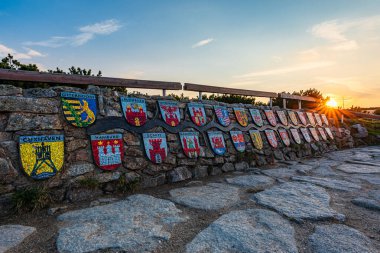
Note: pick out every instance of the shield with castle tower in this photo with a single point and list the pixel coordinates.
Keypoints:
(42, 156)
(155, 146)
(134, 110)
(197, 114)
(217, 142)
(190, 144)
(107, 150)
(170, 112)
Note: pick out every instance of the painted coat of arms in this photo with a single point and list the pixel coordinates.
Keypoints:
(284, 136)
(329, 133)
(170, 112)
(318, 119)
(107, 150)
(238, 140)
(256, 116)
(79, 109)
(325, 120)
(293, 117)
(256, 139)
(42, 156)
(323, 134)
(134, 110)
(295, 134)
(241, 116)
(302, 117)
(271, 138)
(190, 144)
(314, 133)
(197, 114)
(282, 116)
(271, 118)
(305, 134)
(155, 146)
(222, 115)
(217, 142)
(311, 118)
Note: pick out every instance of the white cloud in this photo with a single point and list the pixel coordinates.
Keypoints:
(289, 69)
(86, 34)
(30, 53)
(203, 43)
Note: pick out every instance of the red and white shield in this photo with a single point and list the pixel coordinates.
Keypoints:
(322, 132)
(296, 136)
(305, 134)
(284, 136)
(314, 133)
(293, 117)
(108, 150)
(190, 144)
(311, 118)
(325, 120)
(318, 119)
(302, 117)
(282, 116)
(271, 118)
(329, 133)
(271, 138)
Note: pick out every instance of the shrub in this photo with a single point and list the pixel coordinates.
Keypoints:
(31, 198)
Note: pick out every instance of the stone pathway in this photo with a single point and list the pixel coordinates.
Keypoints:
(234, 212)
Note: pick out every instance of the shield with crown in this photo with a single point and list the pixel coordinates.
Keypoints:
(270, 117)
(134, 110)
(271, 136)
(197, 114)
(217, 142)
(107, 150)
(156, 147)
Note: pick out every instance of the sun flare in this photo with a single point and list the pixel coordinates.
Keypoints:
(332, 103)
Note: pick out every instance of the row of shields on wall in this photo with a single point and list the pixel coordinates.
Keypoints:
(80, 110)
(43, 156)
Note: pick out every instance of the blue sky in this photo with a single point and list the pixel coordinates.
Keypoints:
(263, 45)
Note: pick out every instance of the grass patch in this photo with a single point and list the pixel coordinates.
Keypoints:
(90, 183)
(31, 199)
(124, 186)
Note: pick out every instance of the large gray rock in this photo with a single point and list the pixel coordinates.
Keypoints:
(370, 178)
(179, 174)
(7, 172)
(257, 182)
(359, 169)
(137, 224)
(370, 200)
(213, 196)
(298, 201)
(32, 105)
(324, 171)
(80, 168)
(301, 168)
(335, 184)
(280, 172)
(13, 235)
(9, 90)
(338, 238)
(27, 121)
(252, 230)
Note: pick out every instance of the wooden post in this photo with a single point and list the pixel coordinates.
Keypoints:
(284, 103)
(164, 93)
(270, 102)
(200, 95)
(299, 105)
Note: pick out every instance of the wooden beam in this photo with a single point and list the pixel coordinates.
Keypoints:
(72, 80)
(223, 90)
(296, 97)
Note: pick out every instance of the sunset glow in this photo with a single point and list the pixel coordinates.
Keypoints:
(332, 103)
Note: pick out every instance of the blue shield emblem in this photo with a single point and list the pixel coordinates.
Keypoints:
(238, 140)
(217, 142)
(79, 109)
(222, 115)
(256, 116)
(197, 114)
(155, 146)
(134, 110)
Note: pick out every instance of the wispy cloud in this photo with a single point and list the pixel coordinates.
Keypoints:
(202, 43)
(289, 69)
(28, 54)
(86, 34)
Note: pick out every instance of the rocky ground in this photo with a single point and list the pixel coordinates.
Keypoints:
(327, 204)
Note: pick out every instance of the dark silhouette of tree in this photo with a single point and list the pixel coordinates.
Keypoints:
(9, 62)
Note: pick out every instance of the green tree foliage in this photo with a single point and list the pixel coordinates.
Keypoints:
(9, 62)
(231, 99)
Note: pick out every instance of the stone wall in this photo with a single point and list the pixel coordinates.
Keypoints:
(38, 111)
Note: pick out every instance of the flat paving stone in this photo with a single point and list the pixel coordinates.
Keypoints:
(324, 171)
(359, 169)
(370, 200)
(298, 201)
(335, 184)
(13, 235)
(212, 196)
(338, 238)
(302, 168)
(370, 178)
(321, 162)
(252, 181)
(252, 230)
(279, 172)
(137, 224)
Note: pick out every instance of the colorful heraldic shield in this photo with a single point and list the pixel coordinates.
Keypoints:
(323, 134)
(238, 140)
(284, 136)
(190, 144)
(271, 118)
(305, 134)
(108, 150)
(155, 146)
(241, 116)
(325, 120)
(42, 156)
(170, 112)
(222, 115)
(134, 110)
(256, 117)
(329, 133)
(282, 116)
(314, 133)
(197, 114)
(79, 109)
(271, 138)
(296, 136)
(256, 139)
(217, 142)
(311, 118)
(293, 117)
(302, 117)
(318, 119)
